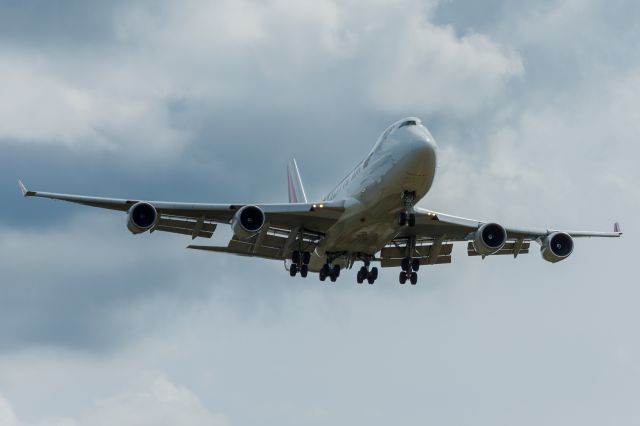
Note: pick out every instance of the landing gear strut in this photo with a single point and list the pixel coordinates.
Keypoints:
(407, 216)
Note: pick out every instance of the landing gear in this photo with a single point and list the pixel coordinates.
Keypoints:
(335, 273)
(415, 264)
(407, 216)
(411, 276)
(365, 274)
(300, 262)
(402, 219)
(324, 272)
(409, 265)
(373, 275)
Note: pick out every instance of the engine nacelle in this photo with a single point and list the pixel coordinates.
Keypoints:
(556, 247)
(489, 238)
(141, 218)
(247, 222)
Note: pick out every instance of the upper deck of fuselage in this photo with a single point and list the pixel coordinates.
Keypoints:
(403, 135)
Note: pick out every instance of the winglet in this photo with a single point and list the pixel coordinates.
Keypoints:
(616, 228)
(24, 190)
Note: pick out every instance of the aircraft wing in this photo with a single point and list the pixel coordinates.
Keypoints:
(199, 219)
(458, 228)
(436, 232)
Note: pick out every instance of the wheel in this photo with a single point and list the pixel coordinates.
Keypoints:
(336, 270)
(406, 264)
(412, 219)
(304, 270)
(324, 272)
(415, 264)
(403, 277)
(293, 270)
(295, 257)
(360, 277)
(370, 280)
(374, 273)
(306, 258)
(402, 219)
(413, 278)
(333, 277)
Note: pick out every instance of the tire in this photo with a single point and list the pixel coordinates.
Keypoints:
(370, 279)
(414, 278)
(406, 264)
(304, 270)
(402, 219)
(374, 273)
(293, 270)
(295, 257)
(412, 219)
(360, 277)
(323, 276)
(415, 264)
(336, 271)
(403, 277)
(306, 258)
(333, 277)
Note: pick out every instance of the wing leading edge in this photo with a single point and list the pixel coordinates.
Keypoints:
(318, 217)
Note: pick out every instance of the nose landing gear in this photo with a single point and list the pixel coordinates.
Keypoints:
(407, 216)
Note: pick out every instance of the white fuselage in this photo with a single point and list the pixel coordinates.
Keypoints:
(403, 159)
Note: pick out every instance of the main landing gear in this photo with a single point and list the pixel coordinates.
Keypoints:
(300, 263)
(407, 216)
(409, 265)
(332, 272)
(365, 274)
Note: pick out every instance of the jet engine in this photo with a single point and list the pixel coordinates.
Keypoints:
(556, 247)
(489, 238)
(142, 217)
(247, 221)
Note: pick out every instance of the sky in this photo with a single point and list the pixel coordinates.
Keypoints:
(535, 107)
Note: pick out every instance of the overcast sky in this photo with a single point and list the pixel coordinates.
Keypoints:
(535, 106)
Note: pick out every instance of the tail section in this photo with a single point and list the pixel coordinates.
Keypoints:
(296, 190)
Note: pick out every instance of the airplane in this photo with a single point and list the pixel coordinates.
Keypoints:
(369, 217)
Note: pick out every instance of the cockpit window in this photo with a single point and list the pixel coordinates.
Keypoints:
(408, 123)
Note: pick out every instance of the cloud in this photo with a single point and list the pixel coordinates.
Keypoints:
(149, 400)
(534, 106)
(123, 93)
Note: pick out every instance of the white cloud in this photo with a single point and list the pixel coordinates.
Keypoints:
(150, 400)
(153, 401)
(90, 104)
(237, 52)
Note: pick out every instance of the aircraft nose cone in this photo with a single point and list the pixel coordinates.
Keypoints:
(421, 148)
(419, 157)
